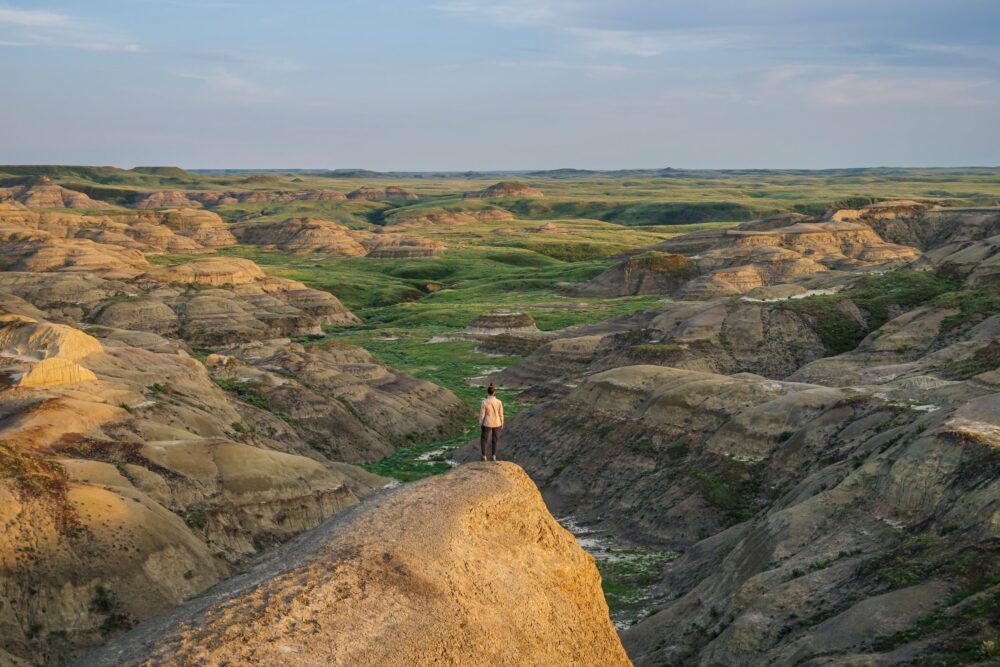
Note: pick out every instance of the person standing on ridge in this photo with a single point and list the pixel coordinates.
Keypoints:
(491, 421)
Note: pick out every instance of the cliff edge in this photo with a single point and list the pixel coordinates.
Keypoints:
(466, 568)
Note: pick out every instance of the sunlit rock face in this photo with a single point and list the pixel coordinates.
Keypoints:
(489, 578)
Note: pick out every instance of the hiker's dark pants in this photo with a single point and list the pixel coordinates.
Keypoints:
(486, 435)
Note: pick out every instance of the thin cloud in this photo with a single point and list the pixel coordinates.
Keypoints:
(222, 80)
(656, 43)
(511, 13)
(264, 63)
(570, 18)
(44, 28)
(860, 90)
(31, 18)
(221, 86)
(589, 68)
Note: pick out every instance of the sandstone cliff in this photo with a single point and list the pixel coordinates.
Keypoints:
(488, 579)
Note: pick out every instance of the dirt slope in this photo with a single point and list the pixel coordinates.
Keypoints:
(489, 579)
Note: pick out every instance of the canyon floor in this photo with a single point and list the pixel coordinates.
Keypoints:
(766, 403)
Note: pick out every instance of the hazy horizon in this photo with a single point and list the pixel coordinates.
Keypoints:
(517, 85)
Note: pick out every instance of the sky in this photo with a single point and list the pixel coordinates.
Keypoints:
(516, 84)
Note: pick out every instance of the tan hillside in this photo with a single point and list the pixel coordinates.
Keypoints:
(168, 199)
(738, 260)
(488, 579)
(508, 189)
(789, 500)
(648, 273)
(398, 246)
(174, 230)
(303, 236)
(416, 219)
(42, 192)
(376, 194)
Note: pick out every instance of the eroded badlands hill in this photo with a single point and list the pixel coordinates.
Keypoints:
(827, 460)
(813, 521)
(132, 474)
(468, 568)
(711, 264)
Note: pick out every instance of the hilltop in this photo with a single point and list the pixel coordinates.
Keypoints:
(488, 579)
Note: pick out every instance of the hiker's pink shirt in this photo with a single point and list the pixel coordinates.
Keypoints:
(491, 413)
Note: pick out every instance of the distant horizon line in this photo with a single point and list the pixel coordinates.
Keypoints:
(484, 171)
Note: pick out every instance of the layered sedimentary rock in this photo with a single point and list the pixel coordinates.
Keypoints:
(342, 401)
(489, 579)
(302, 236)
(396, 192)
(649, 273)
(167, 199)
(506, 189)
(367, 192)
(797, 508)
(398, 246)
(501, 322)
(719, 336)
(918, 355)
(220, 301)
(407, 219)
(924, 225)
(313, 236)
(738, 260)
(33, 250)
(41, 192)
(772, 252)
(175, 230)
(137, 483)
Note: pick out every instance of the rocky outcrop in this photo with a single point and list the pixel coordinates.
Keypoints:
(489, 579)
(340, 399)
(648, 273)
(501, 322)
(407, 219)
(138, 482)
(263, 197)
(221, 301)
(506, 189)
(913, 356)
(978, 261)
(312, 236)
(321, 195)
(735, 261)
(212, 272)
(176, 231)
(303, 236)
(396, 192)
(31, 250)
(398, 246)
(798, 508)
(42, 192)
(717, 337)
(367, 192)
(167, 199)
(204, 228)
(62, 297)
(924, 225)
